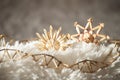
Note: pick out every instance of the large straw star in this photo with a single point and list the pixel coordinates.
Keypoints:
(89, 33)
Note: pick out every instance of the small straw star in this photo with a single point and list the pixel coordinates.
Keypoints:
(52, 39)
(89, 34)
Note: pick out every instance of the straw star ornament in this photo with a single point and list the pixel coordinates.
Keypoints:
(52, 40)
(89, 35)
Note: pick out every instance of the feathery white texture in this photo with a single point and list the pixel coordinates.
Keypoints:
(81, 51)
(27, 69)
(25, 47)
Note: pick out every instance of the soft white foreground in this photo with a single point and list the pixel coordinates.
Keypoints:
(27, 69)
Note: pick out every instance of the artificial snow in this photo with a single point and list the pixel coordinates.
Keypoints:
(27, 69)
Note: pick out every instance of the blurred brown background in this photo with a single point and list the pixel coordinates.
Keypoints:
(21, 19)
